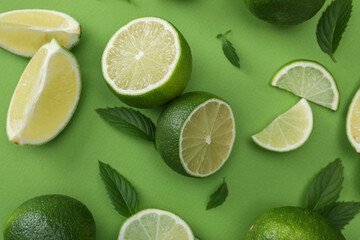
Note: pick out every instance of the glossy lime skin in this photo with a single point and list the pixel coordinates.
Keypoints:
(292, 223)
(50, 217)
(284, 12)
(170, 123)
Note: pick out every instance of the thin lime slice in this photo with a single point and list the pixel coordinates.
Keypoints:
(154, 224)
(288, 131)
(353, 122)
(309, 80)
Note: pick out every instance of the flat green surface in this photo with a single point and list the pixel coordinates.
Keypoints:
(258, 180)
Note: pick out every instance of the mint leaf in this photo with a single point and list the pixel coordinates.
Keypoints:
(129, 121)
(229, 50)
(332, 25)
(218, 197)
(341, 213)
(122, 194)
(325, 188)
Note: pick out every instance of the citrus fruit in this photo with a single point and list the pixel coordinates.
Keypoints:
(154, 224)
(23, 32)
(50, 217)
(353, 122)
(147, 62)
(288, 131)
(45, 97)
(195, 134)
(292, 223)
(309, 80)
(284, 12)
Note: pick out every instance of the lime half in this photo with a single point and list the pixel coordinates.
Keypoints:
(195, 134)
(147, 62)
(288, 131)
(154, 224)
(309, 80)
(353, 122)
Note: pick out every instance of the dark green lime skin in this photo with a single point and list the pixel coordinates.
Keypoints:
(170, 122)
(284, 12)
(292, 223)
(51, 217)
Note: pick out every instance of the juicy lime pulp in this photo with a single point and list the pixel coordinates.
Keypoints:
(284, 12)
(353, 122)
(292, 223)
(23, 32)
(147, 62)
(195, 134)
(309, 80)
(154, 224)
(51, 217)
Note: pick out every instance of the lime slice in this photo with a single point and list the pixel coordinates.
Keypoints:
(288, 131)
(353, 122)
(147, 62)
(154, 224)
(195, 134)
(45, 97)
(23, 32)
(308, 80)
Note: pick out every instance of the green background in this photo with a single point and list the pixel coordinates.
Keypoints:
(258, 180)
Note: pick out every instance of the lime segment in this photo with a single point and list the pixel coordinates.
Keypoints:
(353, 122)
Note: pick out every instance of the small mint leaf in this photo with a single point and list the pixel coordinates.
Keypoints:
(218, 197)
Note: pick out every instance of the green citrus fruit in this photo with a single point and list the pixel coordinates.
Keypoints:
(50, 217)
(195, 134)
(147, 62)
(292, 223)
(284, 12)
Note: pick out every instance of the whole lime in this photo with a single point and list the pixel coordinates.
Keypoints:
(284, 12)
(293, 223)
(50, 217)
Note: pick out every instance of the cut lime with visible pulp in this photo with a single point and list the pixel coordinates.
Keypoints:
(45, 97)
(154, 224)
(353, 122)
(23, 32)
(309, 80)
(195, 134)
(288, 131)
(147, 62)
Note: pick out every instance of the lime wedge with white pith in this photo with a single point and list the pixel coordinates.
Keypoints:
(45, 97)
(309, 80)
(195, 134)
(147, 62)
(154, 224)
(353, 122)
(23, 32)
(288, 131)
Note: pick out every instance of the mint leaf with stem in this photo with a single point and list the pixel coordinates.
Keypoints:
(218, 197)
(229, 50)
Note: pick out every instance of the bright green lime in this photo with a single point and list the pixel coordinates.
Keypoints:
(284, 12)
(195, 134)
(292, 223)
(50, 217)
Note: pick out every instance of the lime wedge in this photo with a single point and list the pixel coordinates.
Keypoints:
(154, 224)
(147, 62)
(309, 80)
(353, 122)
(288, 131)
(45, 97)
(23, 32)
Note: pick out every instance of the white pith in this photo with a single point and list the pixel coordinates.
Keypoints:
(207, 139)
(52, 48)
(172, 67)
(354, 142)
(158, 212)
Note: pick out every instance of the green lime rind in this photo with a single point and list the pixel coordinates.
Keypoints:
(170, 124)
(284, 12)
(51, 217)
(292, 223)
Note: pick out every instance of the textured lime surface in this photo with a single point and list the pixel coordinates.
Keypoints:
(292, 223)
(50, 217)
(284, 12)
